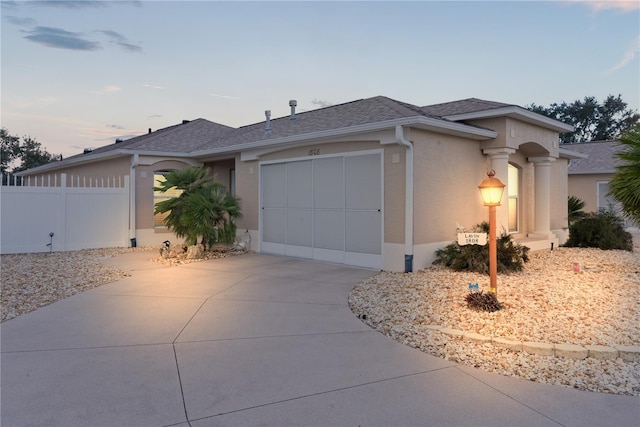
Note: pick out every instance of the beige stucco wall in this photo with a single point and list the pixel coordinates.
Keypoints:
(447, 172)
(220, 170)
(516, 134)
(585, 187)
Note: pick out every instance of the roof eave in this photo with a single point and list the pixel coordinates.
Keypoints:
(569, 154)
(417, 121)
(92, 158)
(516, 113)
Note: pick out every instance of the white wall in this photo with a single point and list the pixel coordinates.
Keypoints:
(79, 217)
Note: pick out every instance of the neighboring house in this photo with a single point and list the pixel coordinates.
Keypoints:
(589, 175)
(373, 182)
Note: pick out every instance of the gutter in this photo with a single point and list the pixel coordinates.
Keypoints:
(408, 194)
(135, 159)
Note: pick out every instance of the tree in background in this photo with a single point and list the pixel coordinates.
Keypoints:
(625, 184)
(18, 156)
(593, 121)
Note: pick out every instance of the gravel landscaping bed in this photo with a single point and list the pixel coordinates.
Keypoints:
(31, 281)
(546, 303)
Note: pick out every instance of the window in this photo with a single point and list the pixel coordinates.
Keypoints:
(158, 196)
(513, 189)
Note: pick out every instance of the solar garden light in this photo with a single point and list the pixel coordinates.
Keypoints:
(491, 190)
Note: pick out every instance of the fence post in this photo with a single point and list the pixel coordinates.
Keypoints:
(62, 215)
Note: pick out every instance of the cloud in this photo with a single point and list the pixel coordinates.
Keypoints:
(121, 41)
(321, 103)
(627, 58)
(155, 116)
(107, 90)
(60, 39)
(21, 22)
(115, 127)
(153, 86)
(223, 96)
(80, 4)
(598, 5)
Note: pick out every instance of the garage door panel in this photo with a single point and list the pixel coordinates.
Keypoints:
(329, 230)
(363, 233)
(363, 178)
(273, 185)
(273, 225)
(299, 190)
(299, 227)
(328, 183)
(324, 208)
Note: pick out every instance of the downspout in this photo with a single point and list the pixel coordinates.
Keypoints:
(408, 194)
(132, 199)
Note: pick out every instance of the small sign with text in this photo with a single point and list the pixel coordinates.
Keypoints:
(472, 239)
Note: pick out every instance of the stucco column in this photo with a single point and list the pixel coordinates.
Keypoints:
(542, 190)
(500, 164)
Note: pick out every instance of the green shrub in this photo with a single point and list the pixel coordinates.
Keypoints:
(483, 302)
(603, 230)
(511, 256)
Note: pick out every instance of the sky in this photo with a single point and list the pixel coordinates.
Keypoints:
(79, 74)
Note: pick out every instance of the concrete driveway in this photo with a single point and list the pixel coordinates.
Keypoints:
(252, 340)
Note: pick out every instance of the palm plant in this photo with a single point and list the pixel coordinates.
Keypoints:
(204, 210)
(575, 206)
(625, 184)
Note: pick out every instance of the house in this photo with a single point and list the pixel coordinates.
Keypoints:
(589, 174)
(373, 182)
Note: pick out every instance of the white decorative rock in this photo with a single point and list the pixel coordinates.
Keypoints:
(601, 352)
(538, 348)
(571, 351)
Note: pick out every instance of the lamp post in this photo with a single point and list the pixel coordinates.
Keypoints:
(491, 190)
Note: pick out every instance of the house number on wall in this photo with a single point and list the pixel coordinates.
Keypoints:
(314, 152)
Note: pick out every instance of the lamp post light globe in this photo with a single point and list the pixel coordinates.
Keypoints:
(491, 190)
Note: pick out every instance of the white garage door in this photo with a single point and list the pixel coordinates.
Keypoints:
(327, 209)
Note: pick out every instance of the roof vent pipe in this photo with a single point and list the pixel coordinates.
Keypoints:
(293, 103)
(267, 125)
(149, 130)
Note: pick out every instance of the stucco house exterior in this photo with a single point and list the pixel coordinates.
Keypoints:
(590, 173)
(373, 182)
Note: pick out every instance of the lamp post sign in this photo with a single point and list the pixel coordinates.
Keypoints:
(472, 239)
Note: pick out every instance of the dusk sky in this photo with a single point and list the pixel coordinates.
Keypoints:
(79, 74)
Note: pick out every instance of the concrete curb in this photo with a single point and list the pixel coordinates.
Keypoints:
(628, 353)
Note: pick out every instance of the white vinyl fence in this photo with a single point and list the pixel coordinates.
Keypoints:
(48, 215)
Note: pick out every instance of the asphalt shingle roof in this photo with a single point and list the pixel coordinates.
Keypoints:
(464, 106)
(360, 112)
(601, 157)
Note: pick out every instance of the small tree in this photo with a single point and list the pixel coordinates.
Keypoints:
(625, 184)
(204, 211)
